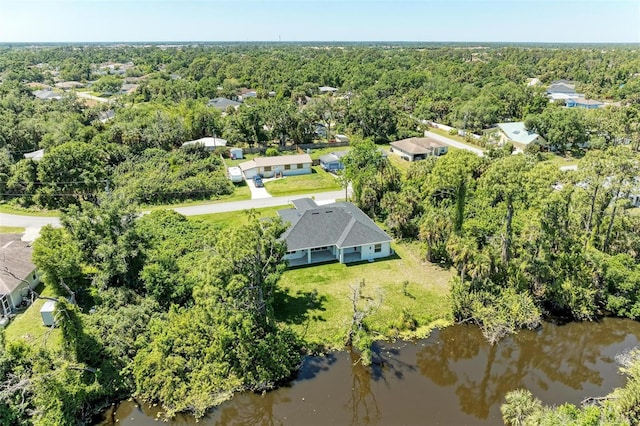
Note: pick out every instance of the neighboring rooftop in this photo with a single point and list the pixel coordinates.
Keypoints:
(223, 103)
(340, 224)
(47, 95)
(327, 89)
(562, 86)
(275, 161)
(15, 261)
(417, 146)
(333, 156)
(35, 155)
(208, 142)
(517, 132)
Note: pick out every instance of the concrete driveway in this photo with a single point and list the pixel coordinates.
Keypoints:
(257, 193)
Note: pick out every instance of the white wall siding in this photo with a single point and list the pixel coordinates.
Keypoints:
(368, 251)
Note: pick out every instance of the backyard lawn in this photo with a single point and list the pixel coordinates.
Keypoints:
(315, 302)
(28, 325)
(317, 181)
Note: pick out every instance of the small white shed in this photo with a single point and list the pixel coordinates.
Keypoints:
(47, 313)
(236, 153)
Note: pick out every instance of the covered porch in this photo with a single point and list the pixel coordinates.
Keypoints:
(327, 254)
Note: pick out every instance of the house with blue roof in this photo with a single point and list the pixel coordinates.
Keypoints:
(518, 135)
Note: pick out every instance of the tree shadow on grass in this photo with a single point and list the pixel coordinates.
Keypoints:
(294, 308)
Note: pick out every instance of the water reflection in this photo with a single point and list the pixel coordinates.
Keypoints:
(548, 362)
(454, 376)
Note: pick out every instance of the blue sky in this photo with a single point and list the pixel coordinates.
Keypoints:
(315, 20)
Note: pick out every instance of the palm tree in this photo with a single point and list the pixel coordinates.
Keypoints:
(519, 405)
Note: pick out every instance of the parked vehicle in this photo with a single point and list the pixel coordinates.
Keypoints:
(257, 181)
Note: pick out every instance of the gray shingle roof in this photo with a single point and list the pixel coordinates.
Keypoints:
(339, 224)
(223, 103)
(15, 256)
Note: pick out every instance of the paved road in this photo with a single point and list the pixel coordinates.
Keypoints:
(454, 143)
(322, 197)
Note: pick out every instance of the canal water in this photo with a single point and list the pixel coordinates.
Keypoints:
(452, 378)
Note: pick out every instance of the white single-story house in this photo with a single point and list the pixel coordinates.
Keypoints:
(209, 143)
(285, 165)
(337, 231)
(34, 155)
(17, 273)
(332, 162)
(236, 153)
(414, 149)
(518, 135)
(235, 174)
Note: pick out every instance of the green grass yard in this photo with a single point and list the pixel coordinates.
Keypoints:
(315, 302)
(559, 160)
(11, 209)
(11, 230)
(27, 325)
(237, 218)
(456, 138)
(318, 181)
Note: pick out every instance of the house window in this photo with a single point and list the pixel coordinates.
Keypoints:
(267, 168)
(287, 166)
(377, 248)
(300, 166)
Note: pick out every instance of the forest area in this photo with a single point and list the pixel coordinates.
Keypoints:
(181, 313)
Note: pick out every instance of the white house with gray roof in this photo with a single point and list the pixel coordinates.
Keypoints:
(337, 231)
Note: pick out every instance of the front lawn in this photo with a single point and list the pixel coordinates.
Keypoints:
(317, 181)
(315, 302)
(236, 218)
(17, 210)
(11, 230)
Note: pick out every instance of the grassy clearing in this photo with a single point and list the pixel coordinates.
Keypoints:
(559, 160)
(28, 325)
(11, 230)
(395, 160)
(314, 300)
(10, 209)
(456, 138)
(317, 181)
(235, 219)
